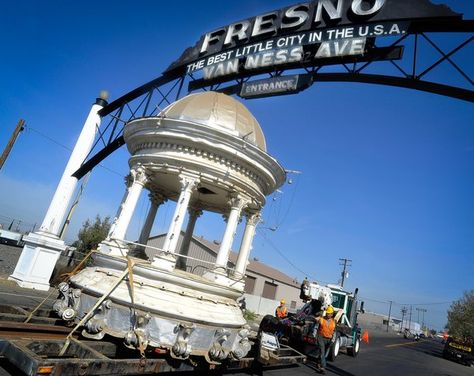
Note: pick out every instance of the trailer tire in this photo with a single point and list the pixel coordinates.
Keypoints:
(354, 350)
(334, 350)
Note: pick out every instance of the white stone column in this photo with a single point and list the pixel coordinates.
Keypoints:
(194, 214)
(166, 259)
(135, 183)
(237, 203)
(246, 245)
(42, 248)
(139, 250)
(156, 201)
(54, 218)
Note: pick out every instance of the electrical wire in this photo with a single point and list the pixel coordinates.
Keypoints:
(423, 304)
(403, 304)
(269, 242)
(292, 199)
(27, 127)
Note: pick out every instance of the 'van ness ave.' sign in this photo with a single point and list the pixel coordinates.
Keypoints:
(304, 33)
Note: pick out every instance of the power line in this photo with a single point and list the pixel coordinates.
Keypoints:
(405, 304)
(423, 304)
(287, 260)
(282, 255)
(376, 301)
(67, 148)
(391, 302)
(292, 199)
(28, 128)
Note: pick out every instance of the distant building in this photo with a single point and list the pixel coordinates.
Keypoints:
(264, 285)
(379, 322)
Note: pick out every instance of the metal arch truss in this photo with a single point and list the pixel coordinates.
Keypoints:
(414, 61)
(410, 68)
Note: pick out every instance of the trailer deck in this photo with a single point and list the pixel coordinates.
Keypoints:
(34, 348)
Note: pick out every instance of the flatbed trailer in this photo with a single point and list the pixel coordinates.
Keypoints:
(33, 349)
(39, 356)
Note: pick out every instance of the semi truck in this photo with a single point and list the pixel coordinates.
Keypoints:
(300, 330)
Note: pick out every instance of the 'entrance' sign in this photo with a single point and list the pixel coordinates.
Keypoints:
(276, 86)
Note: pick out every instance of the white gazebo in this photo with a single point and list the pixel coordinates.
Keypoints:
(206, 152)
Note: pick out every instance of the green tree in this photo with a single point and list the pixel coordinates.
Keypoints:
(91, 234)
(461, 316)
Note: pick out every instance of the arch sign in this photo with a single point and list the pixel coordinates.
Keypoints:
(317, 33)
(249, 57)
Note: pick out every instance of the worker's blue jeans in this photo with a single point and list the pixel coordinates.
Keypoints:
(323, 344)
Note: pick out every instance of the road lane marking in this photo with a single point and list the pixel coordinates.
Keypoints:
(404, 344)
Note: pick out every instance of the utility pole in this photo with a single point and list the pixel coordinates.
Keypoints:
(418, 312)
(409, 325)
(389, 313)
(19, 127)
(345, 263)
(404, 312)
(423, 310)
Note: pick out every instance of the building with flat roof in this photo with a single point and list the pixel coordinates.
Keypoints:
(264, 285)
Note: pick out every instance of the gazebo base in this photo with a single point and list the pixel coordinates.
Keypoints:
(184, 314)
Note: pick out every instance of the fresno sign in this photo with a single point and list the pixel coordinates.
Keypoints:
(316, 33)
(288, 19)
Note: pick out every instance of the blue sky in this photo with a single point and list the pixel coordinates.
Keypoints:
(388, 173)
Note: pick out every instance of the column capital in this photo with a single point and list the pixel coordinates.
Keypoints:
(188, 182)
(238, 201)
(157, 198)
(194, 212)
(253, 217)
(128, 180)
(139, 175)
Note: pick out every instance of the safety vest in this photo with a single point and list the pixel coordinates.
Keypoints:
(326, 327)
(281, 312)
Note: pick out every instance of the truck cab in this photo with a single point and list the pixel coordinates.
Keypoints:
(300, 330)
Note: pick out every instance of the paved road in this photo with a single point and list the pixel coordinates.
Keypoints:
(8, 258)
(386, 355)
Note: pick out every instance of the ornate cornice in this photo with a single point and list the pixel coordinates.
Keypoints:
(204, 155)
(187, 135)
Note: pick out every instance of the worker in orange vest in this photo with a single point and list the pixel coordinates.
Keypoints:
(445, 337)
(327, 326)
(281, 311)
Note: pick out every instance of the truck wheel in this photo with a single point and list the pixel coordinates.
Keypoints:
(354, 350)
(334, 351)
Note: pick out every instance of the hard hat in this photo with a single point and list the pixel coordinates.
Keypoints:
(282, 301)
(330, 309)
